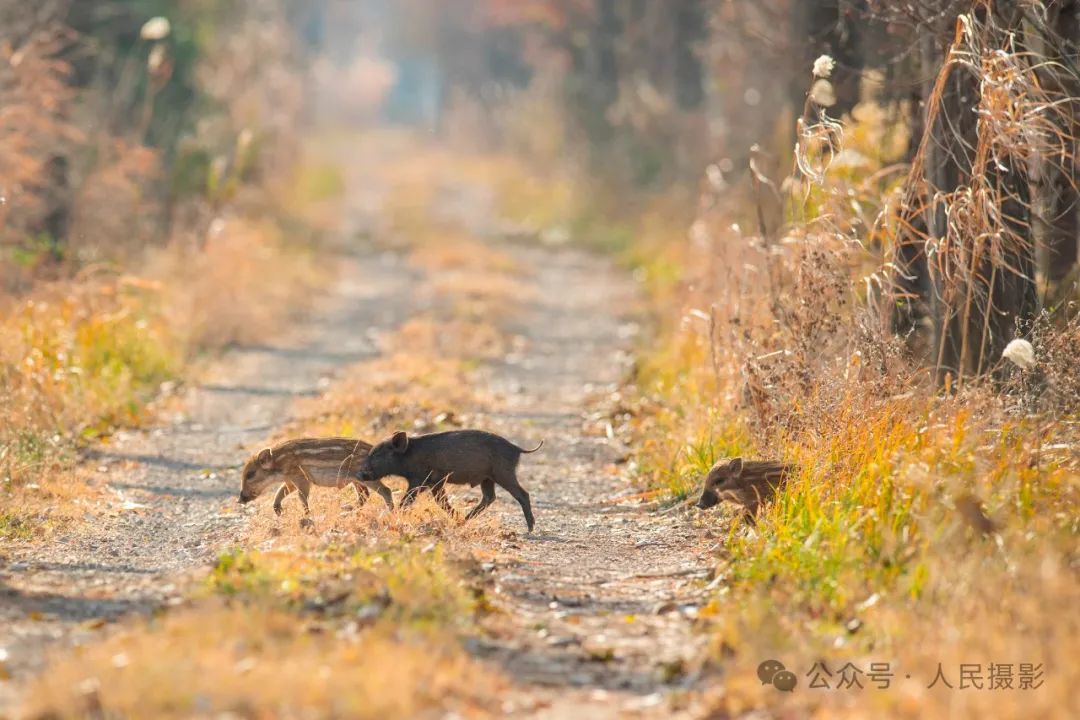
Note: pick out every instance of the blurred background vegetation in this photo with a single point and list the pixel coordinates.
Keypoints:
(170, 107)
(841, 212)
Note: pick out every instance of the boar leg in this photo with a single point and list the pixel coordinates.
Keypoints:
(283, 492)
(487, 486)
(512, 486)
(303, 489)
(410, 496)
(302, 492)
(438, 491)
(381, 489)
(385, 494)
(413, 491)
(362, 493)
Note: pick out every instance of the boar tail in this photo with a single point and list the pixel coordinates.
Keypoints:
(533, 450)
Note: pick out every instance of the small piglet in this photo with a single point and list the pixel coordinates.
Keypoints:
(299, 464)
(747, 483)
(459, 457)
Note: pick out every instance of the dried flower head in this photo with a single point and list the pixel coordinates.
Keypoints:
(823, 94)
(157, 28)
(824, 66)
(1020, 353)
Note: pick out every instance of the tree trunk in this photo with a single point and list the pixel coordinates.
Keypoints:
(690, 30)
(979, 290)
(1059, 177)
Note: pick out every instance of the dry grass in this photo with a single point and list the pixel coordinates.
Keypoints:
(455, 250)
(308, 626)
(466, 340)
(413, 386)
(270, 666)
(35, 128)
(404, 389)
(475, 281)
(921, 528)
(86, 356)
(245, 284)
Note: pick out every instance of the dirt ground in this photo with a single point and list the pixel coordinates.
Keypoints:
(597, 604)
(600, 598)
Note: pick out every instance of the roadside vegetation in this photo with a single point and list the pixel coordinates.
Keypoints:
(133, 248)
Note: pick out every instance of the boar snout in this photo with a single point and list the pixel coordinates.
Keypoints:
(244, 499)
(707, 500)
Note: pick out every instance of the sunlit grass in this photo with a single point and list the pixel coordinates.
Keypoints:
(271, 664)
(402, 583)
(877, 547)
(14, 527)
(85, 357)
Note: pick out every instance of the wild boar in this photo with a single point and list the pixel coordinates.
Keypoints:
(458, 457)
(299, 464)
(747, 483)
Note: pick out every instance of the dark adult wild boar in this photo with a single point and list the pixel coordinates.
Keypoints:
(748, 483)
(459, 457)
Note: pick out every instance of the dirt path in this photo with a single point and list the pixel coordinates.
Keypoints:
(597, 602)
(173, 487)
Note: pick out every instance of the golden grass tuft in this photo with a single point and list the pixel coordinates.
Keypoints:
(406, 389)
(465, 340)
(336, 515)
(263, 662)
(245, 284)
(451, 249)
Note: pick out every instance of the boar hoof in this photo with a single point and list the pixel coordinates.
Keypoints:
(307, 524)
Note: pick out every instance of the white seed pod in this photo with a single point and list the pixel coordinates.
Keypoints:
(824, 66)
(157, 28)
(1020, 353)
(823, 94)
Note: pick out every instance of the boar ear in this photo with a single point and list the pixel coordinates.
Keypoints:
(266, 459)
(735, 467)
(400, 442)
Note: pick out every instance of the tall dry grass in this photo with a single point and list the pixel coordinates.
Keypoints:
(921, 527)
(35, 135)
(965, 218)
